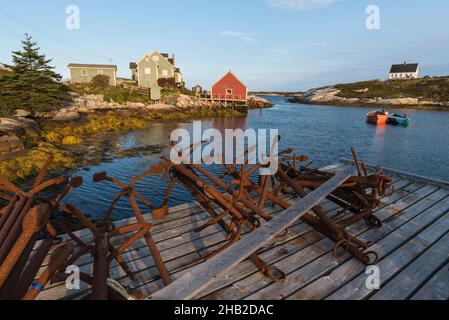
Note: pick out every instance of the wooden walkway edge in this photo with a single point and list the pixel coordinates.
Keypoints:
(205, 274)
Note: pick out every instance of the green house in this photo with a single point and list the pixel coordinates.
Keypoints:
(84, 73)
(152, 67)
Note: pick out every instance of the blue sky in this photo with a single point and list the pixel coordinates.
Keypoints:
(284, 45)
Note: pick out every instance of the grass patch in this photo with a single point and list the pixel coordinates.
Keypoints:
(435, 89)
(119, 94)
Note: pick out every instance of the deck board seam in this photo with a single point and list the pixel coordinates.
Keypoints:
(323, 238)
(397, 228)
(405, 195)
(329, 252)
(429, 278)
(405, 266)
(398, 247)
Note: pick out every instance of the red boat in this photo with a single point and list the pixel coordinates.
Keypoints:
(377, 117)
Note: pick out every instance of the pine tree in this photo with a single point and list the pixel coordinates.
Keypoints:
(32, 85)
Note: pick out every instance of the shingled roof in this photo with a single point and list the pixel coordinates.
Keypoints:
(99, 66)
(404, 68)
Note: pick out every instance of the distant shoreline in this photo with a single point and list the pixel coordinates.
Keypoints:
(277, 94)
(428, 94)
(339, 104)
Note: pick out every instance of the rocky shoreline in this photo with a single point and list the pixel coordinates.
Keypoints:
(330, 96)
(61, 132)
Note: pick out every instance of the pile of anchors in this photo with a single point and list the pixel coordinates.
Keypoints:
(36, 248)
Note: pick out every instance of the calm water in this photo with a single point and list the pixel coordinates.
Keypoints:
(322, 132)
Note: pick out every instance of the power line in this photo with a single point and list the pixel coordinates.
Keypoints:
(19, 35)
(27, 25)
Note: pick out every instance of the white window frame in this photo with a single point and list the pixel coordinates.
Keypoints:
(147, 71)
(156, 58)
(84, 72)
(165, 72)
(100, 72)
(229, 94)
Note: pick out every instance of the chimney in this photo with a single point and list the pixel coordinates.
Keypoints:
(174, 61)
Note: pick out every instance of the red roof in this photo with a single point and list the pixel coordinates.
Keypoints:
(231, 77)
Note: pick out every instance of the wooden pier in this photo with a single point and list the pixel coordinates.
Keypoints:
(227, 101)
(413, 249)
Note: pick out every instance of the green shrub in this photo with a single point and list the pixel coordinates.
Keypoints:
(436, 89)
(167, 83)
(100, 81)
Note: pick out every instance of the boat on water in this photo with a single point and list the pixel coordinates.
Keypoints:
(399, 120)
(377, 117)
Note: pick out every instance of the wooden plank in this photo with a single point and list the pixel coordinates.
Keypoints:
(305, 275)
(437, 288)
(144, 264)
(140, 260)
(298, 237)
(246, 284)
(198, 279)
(401, 257)
(299, 233)
(257, 283)
(407, 281)
(183, 249)
(175, 213)
(326, 285)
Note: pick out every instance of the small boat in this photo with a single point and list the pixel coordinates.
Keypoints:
(399, 120)
(377, 117)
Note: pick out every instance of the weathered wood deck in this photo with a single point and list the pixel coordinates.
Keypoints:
(413, 248)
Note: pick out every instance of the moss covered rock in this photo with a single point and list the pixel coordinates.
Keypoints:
(71, 141)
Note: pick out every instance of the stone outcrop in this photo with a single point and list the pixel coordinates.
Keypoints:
(255, 102)
(66, 115)
(161, 107)
(394, 102)
(184, 101)
(10, 143)
(22, 113)
(330, 95)
(11, 131)
(95, 103)
(18, 126)
(320, 95)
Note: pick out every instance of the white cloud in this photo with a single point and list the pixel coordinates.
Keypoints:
(245, 37)
(318, 45)
(300, 5)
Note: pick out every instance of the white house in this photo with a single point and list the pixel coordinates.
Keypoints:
(404, 71)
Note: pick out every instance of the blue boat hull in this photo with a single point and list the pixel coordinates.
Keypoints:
(399, 121)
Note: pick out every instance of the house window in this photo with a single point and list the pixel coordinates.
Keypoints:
(147, 70)
(165, 72)
(229, 91)
(84, 72)
(100, 72)
(156, 58)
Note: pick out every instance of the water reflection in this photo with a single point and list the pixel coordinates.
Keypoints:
(323, 132)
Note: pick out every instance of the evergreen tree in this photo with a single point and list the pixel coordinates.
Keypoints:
(32, 85)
